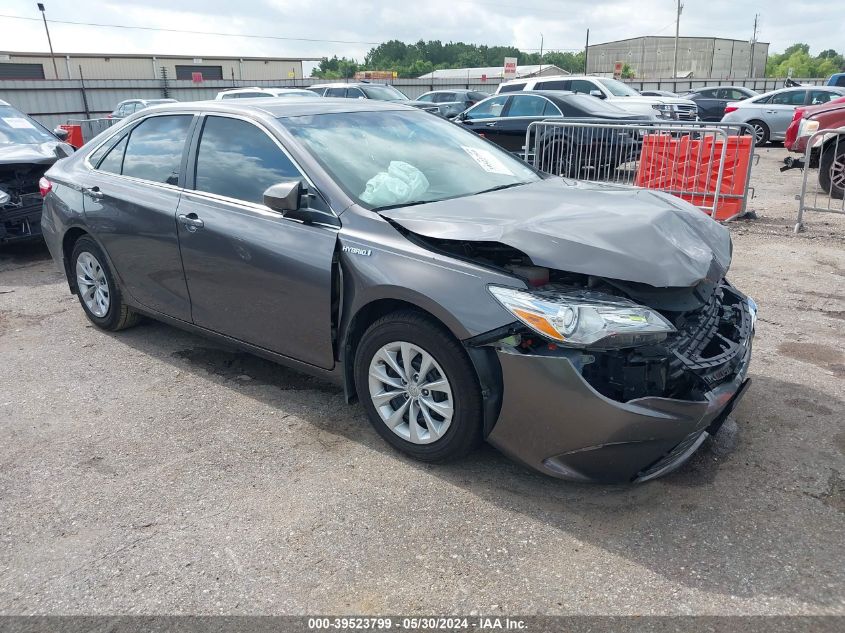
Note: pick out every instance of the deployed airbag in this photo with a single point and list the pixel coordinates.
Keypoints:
(402, 182)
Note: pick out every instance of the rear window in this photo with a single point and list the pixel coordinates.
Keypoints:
(511, 88)
(557, 84)
(154, 150)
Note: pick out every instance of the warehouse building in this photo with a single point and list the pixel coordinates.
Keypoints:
(107, 66)
(706, 57)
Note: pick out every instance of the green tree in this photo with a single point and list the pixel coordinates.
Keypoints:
(798, 58)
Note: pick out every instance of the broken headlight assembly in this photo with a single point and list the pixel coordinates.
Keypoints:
(584, 319)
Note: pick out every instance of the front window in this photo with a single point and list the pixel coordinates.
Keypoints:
(384, 93)
(17, 128)
(238, 160)
(617, 88)
(397, 158)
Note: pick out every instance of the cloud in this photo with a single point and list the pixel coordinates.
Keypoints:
(492, 22)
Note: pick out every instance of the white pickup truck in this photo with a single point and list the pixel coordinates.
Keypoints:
(611, 90)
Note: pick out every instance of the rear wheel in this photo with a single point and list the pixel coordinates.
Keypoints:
(761, 132)
(418, 387)
(832, 170)
(98, 293)
(555, 159)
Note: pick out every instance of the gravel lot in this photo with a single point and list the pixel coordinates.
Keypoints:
(152, 472)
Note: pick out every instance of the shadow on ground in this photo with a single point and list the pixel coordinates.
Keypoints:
(725, 522)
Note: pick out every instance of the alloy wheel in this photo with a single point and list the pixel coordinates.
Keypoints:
(837, 172)
(410, 392)
(92, 283)
(759, 134)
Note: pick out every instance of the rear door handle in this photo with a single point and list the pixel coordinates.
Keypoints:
(93, 192)
(191, 221)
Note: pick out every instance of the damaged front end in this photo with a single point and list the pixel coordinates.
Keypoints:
(20, 201)
(628, 403)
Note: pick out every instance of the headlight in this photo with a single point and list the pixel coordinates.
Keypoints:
(807, 127)
(664, 111)
(585, 319)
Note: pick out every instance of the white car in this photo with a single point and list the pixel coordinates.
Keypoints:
(612, 91)
(253, 93)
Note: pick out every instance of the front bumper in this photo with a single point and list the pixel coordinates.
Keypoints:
(20, 223)
(554, 421)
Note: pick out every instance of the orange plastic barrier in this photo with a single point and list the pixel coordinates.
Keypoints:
(74, 135)
(689, 168)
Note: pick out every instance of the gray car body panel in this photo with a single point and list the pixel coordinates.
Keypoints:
(373, 260)
(603, 230)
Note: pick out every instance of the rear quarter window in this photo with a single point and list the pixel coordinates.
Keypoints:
(511, 88)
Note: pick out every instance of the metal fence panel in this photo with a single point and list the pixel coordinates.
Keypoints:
(825, 150)
(686, 159)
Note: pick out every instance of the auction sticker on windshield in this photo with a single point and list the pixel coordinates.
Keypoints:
(18, 122)
(488, 160)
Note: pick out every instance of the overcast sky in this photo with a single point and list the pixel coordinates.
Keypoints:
(358, 22)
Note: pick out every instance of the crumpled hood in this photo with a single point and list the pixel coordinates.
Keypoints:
(40, 154)
(608, 231)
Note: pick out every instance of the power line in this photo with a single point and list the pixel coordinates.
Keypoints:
(252, 35)
(164, 30)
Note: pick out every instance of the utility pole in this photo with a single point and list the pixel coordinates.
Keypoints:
(587, 51)
(49, 42)
(541, 53)
(753, 44)
(677, 34)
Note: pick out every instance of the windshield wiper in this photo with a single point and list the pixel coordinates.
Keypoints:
(401, 204)
(500, 187)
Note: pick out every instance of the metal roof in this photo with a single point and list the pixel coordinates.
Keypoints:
(491, 71)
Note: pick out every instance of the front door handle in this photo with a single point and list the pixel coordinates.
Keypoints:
(93, 192)
(191, 221)
(490, 124)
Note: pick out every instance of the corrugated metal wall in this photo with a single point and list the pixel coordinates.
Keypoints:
(149, 67)
(653, 57)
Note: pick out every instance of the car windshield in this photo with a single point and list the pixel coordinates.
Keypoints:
(384, 93)
(399, 158)
(617, 88)
(18, 129)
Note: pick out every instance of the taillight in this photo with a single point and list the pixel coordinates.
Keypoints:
(731, 108)
(44, 186)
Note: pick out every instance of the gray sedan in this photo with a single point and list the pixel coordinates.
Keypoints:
(770, 114)
(459, 295)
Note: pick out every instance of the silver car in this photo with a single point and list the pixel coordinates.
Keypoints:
(771, 113)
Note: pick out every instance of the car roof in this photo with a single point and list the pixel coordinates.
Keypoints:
(282, 108)
(344, 84)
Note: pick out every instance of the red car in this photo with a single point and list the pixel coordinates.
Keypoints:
(829, 154)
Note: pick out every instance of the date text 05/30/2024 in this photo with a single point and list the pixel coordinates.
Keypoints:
(475, 623)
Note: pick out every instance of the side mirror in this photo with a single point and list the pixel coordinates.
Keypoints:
(60, 134)
(597, 93)
(284, 197)
(290, 199)
(462, 116)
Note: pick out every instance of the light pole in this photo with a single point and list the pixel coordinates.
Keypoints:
(49, 41)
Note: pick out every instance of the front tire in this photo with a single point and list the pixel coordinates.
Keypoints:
(419, 388)
(98, 293)
(832, 170)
